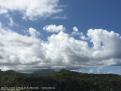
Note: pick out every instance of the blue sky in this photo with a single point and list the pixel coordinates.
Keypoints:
(64, 15)
(84, 14)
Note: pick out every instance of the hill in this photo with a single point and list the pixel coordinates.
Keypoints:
(63, 80)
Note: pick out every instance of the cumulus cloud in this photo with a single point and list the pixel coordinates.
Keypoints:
(54, 28)
(17, 49)
(75, 29)
(41, 8)
(23, 52)
(33, 32)
(106, 43)
(76, 33)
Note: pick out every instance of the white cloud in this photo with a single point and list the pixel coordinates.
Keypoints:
(66, 50)
(106, 43)
(60, 17)
(54, 28)
(76, 33)
(31, 9)
(0, 25)
(25, 52)
(33, 32)
(11, 22)
(75, 29)
(18, 50)
(4, 68)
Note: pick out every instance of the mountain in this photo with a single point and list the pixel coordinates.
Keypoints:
(63, 80)
(44, 72)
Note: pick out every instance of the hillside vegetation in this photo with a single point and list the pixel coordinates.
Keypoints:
(63, 80)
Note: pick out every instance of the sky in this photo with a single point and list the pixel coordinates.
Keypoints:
(81, 35)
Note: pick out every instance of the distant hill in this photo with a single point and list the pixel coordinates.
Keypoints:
(44, 72)
(63, 80)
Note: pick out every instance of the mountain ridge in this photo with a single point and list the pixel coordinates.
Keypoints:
(62, 80)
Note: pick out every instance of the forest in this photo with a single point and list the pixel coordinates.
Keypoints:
(63, 80)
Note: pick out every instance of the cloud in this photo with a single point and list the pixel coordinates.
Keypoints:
(60, 17)
(76, 33)
(41, 8)
(33, 32)
(11, 22)
(54, 28)
(106, 43)
(19, 50)
(75, 29)
(0, 25)
(28, 52)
